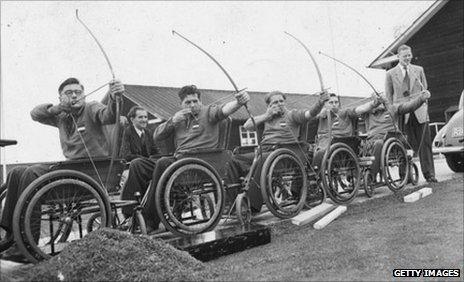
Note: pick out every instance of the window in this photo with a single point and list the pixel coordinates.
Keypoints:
(248, 138)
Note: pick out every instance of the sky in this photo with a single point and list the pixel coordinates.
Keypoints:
(42, 43)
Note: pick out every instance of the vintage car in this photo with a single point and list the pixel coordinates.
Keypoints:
(449, 141)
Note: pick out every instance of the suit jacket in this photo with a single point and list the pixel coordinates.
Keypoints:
(132, 145)
(418, 82)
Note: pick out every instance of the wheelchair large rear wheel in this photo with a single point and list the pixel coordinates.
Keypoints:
(395, 165)
(283, 183)
(54, 210)
(189, 197)
(341, 174)
(5, 242)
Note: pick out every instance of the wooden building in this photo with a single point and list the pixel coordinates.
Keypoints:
(436, 39)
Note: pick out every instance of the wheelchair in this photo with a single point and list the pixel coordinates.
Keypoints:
(396, 165)
(340, 169)
(340, 166)
(191, 193)
(67, 203)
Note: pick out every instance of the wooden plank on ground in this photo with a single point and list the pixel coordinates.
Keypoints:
(312, 214)
(323, 222)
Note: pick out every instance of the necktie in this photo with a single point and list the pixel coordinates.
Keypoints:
(406, 81)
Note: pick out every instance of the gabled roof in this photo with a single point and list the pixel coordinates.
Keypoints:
(163, 102)
(388, 55)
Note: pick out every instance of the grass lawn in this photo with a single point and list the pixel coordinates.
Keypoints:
(365, 243)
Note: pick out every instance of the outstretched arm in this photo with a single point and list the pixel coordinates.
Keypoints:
(241, 98)
(415, 103)
(316, 109)
(271, 111)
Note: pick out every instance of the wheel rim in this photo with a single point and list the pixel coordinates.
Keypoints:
(343, 175)
(395, 167)
(183, 198)
(63, 207)
(243, 209)
(286, 185)
(368, 184)
(414, 173)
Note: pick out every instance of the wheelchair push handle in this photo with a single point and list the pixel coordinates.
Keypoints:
(7, 142)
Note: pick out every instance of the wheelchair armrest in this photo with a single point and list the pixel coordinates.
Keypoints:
(243, 150)
(202, 151)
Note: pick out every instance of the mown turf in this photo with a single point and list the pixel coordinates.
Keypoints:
(110, 255)
(365, 243)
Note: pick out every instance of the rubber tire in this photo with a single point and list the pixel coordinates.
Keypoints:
(20, 230)
(243, 208)
(385, 149)
(138, 220)
(264, 183)
(326, 163)
(160, 195)
(4, 244)
(413, 173)
(455, 162)
(309, 205)
(368, 182)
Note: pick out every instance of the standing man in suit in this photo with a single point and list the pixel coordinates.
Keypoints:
(137, 147)
(402, 84)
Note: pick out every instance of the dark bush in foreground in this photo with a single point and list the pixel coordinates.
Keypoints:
(109, 255)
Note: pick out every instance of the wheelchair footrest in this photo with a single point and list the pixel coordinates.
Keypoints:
(217, 243)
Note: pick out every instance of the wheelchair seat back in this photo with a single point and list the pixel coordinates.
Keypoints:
(102, 165)
(397, 135)
(219, 156)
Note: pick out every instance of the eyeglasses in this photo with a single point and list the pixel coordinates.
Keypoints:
(70, 92)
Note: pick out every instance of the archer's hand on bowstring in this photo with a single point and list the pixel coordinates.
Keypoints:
(273, 111)
(116, 88)
(64, 106)
(181, 115)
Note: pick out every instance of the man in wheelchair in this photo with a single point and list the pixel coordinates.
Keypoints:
(80, 126)
(195, 126)
(379, 123)
(281, 126)
(342, 124)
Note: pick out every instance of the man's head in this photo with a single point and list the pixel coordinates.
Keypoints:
(190, 98)
(72, 91)
(275, 98)
(333, 103)
(138, 117)
(404, 55)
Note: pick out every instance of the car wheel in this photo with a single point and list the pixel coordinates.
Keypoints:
(455, 162)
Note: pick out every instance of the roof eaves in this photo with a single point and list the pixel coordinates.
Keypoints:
(408, 33)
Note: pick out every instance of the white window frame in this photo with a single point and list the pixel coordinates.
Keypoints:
(248, 138)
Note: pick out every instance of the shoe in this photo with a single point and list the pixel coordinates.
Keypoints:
(13, 254)
(431, 179)
(155, 229)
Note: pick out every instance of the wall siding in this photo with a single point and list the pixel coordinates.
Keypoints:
(438, 47)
